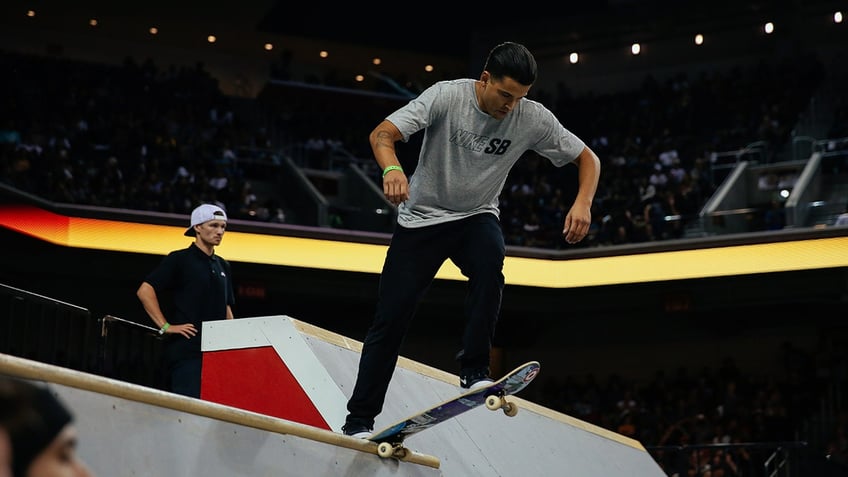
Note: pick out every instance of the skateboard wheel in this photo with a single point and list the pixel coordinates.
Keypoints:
(510, 409)
(494, 402)
(385, 450)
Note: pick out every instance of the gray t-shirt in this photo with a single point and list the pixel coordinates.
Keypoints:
(466, 154)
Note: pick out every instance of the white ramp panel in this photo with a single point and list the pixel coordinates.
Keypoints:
(120, 437)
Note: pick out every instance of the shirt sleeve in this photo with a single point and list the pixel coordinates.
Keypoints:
(418, 113)
(559, 145)
(163, 276)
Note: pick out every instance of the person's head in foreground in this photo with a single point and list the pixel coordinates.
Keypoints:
(40, 431)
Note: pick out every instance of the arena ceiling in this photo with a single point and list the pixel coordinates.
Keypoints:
(451, 28)
(443, 28)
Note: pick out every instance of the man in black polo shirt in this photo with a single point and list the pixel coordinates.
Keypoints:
(201, 285)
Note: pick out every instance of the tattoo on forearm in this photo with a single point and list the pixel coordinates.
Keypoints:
(384, 139)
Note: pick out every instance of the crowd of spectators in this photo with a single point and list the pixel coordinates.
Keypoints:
(656, 144)
(131, 136)
(678, 413)
(139, 137)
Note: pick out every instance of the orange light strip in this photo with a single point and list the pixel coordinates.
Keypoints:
(368, 258)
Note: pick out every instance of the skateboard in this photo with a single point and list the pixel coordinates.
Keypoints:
(493, 396)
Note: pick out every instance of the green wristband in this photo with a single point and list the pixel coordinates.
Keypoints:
(390, 169)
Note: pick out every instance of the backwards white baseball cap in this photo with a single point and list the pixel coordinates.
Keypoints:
(202, 214)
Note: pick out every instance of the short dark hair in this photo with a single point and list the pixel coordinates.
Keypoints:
(512, 60)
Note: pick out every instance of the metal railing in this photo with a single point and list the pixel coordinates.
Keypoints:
(130, 351)
(44, 329)
(47, 330)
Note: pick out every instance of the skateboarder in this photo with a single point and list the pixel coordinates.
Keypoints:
(474, 132)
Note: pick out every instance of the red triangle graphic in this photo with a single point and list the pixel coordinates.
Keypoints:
(256, 379)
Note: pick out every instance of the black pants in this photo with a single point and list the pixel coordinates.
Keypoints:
(476, 246)
(185, 377)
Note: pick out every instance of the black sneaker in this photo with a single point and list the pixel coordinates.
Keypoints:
(473, 379)
(360, 431)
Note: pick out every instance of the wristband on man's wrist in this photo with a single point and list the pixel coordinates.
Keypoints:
(164, 328)
(390, 169)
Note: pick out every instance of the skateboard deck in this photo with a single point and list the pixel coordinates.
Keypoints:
(390, 440)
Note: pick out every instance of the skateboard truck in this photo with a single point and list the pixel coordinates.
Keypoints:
(388, 449)
(498, 401)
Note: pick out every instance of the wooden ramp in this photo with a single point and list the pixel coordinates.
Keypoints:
(127, 429)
